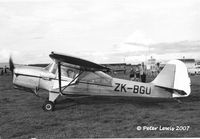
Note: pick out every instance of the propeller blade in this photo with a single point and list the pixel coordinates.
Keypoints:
(11, 64)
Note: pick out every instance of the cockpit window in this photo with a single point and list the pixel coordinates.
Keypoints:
(68, 72)
(65, 71)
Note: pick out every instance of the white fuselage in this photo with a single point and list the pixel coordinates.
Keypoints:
(119, 87)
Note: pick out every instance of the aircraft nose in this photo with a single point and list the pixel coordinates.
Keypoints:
(26, 77)
(27, 71)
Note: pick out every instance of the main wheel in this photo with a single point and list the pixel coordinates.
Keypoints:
(48, 106)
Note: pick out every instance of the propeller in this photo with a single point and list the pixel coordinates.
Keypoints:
(11, 64)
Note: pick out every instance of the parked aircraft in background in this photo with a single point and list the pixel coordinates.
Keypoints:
(72, 76)
(195, 70)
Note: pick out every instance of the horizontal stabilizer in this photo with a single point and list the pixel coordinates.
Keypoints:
(171, 90)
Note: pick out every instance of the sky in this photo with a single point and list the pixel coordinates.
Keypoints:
(103, 31)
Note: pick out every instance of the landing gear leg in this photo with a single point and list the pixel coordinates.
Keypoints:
(50, 104)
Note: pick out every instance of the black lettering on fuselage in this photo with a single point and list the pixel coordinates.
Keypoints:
(135, 89)
(142, 89)
(148, 90)
(123, 87)
(117, 87)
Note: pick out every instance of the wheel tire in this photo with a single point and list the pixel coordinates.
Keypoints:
(48, 106)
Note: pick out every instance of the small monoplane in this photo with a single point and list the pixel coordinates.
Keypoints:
(73, 76)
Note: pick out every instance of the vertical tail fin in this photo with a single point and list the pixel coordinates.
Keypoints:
(174, 76)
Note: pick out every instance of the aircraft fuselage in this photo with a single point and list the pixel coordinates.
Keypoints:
(119, 87)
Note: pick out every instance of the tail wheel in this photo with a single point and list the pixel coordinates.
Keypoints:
(48, 106)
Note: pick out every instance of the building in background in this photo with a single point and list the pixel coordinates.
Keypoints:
(190, 63)
(197, 62)
(151, 64)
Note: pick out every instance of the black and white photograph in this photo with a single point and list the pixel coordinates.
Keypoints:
(99, 69)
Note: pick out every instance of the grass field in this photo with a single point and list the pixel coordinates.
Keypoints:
(21, 116)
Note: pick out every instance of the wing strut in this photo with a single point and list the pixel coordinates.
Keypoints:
(59, 77)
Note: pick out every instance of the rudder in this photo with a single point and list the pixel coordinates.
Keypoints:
(175, 76)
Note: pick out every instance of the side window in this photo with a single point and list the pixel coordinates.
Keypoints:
(71, 73)
(91, 77)
(64, 72)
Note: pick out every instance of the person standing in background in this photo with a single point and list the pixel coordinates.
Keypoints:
(132, 74)
(157, 68)
(143, 70)
(137, 74)
(2, 71)
(5, 69)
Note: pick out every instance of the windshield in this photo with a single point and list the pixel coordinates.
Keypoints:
(52, 68)
(48, 67)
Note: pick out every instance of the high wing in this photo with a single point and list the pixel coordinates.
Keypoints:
(79, 63)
